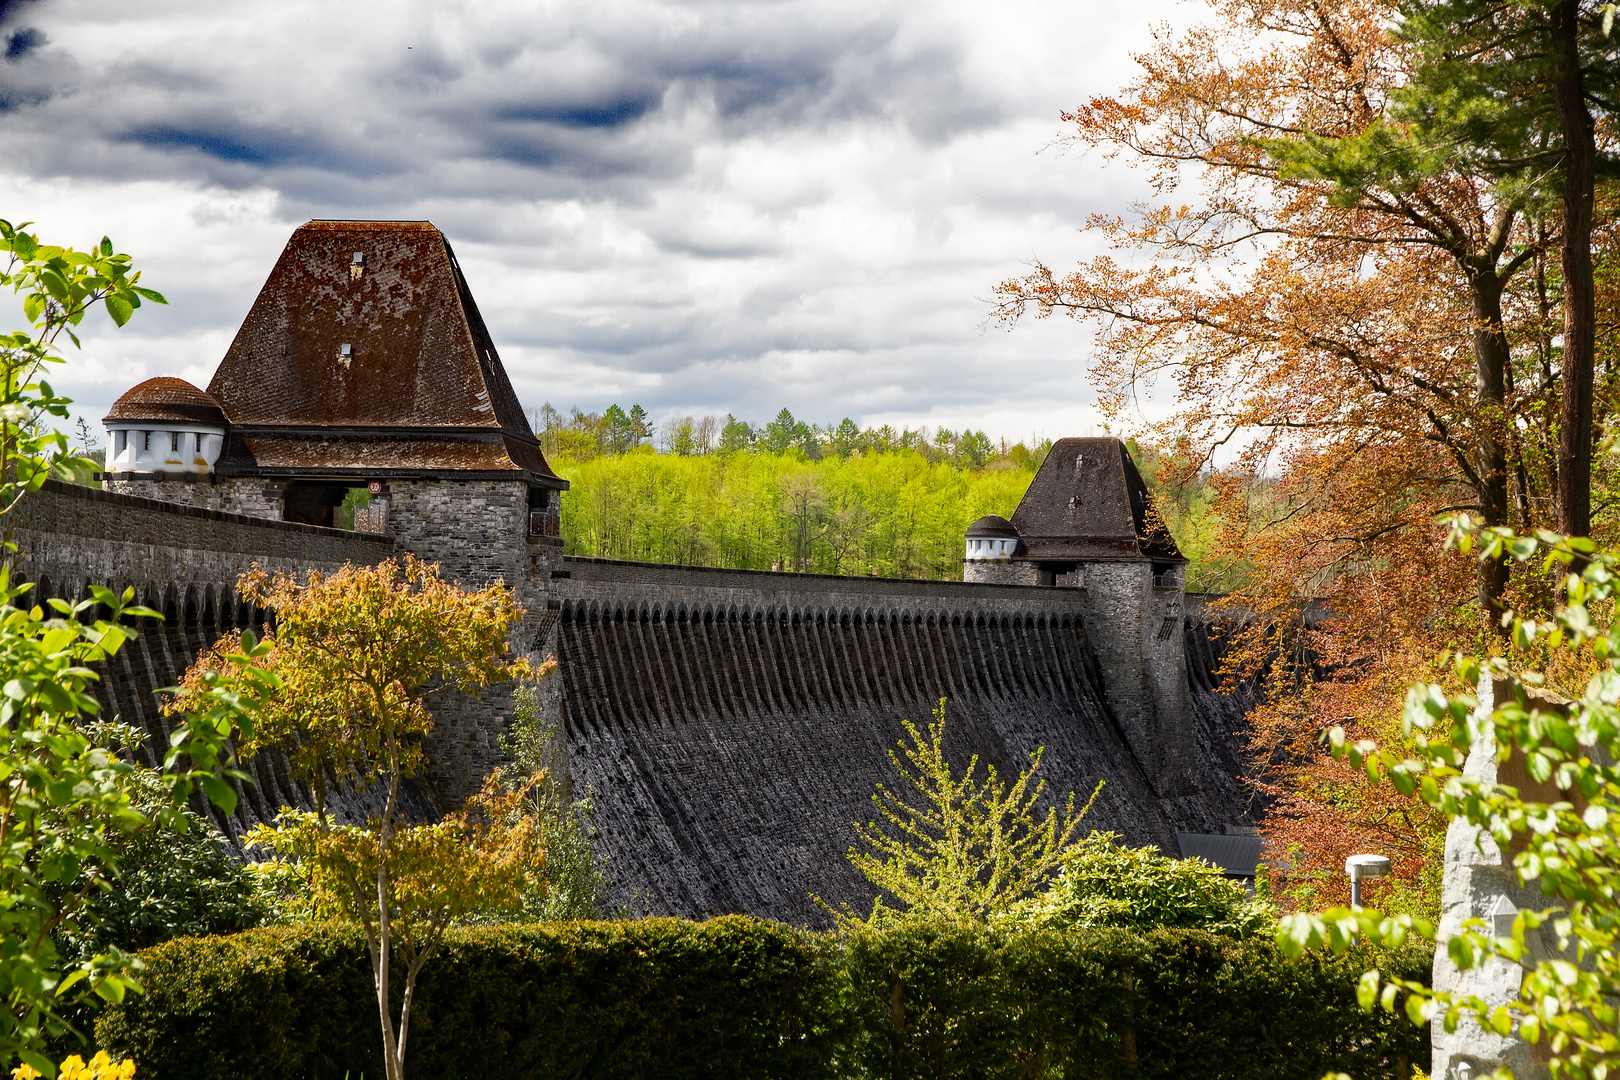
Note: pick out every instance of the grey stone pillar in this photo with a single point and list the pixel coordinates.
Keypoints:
(1480, 883)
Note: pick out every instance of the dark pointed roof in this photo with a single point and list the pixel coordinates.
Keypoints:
(421, 387)
(166, 400)
(1088, 501)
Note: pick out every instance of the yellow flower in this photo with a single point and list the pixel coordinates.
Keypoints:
(101, 1067)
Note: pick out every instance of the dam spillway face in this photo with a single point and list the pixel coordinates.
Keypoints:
(729, 748)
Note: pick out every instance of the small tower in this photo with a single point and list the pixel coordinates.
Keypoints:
(1087, 523)
(165, 430)
(992, 542)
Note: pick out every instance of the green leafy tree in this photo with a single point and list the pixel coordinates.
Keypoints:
(1106, 884)
(896, 513)
(1560, 821)
(59, 287)
(570, 885)
(968, 848)
(66, 802)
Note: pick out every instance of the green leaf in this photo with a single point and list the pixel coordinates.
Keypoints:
(40, 1063)
(219, 793)
(119, 308)
(55, 284)
(1367, 990)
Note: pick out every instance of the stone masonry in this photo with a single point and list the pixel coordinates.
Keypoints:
(476, 530)
(241, 495)
(78, 535)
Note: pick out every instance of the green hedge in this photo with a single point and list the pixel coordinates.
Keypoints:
(947, 1002)
(738, 997)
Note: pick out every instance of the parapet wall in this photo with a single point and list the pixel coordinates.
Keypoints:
(604, 577)
(74, 535)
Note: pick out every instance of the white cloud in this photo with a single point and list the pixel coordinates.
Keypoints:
(703, 207)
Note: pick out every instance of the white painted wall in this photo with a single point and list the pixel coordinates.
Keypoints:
(989, 548)
(151, 447)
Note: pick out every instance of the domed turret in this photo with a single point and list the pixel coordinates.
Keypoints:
(992, 538)
(164, 425)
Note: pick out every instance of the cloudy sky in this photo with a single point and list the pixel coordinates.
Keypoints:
(704, 207)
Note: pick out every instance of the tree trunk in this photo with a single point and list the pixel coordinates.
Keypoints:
(392, 1066)
(1580, 153)
(1490, 368)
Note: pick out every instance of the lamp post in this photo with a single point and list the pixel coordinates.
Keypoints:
(1363, 866)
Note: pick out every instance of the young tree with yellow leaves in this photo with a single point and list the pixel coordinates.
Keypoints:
(357, 653)
(968, 848)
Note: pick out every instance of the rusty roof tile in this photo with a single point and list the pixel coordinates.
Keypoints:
(166, 400)
(992, 525)
(418, 352)
(416, 359)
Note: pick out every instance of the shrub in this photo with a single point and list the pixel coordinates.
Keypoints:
(1105, 884)
(747, 998)
(169, 879)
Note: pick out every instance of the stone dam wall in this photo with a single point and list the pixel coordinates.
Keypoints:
(729, 726)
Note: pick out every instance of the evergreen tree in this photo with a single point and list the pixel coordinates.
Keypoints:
(845, 440)
(1514, 84)
(736, 435)
(779, 434)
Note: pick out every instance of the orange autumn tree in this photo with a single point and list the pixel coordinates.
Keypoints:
(358, 653)
(1365, 349)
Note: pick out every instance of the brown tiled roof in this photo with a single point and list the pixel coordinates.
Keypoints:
(166, 400)
(419, 357)
(992, 525)
(1088, 501)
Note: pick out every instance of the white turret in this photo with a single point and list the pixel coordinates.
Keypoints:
(991, 539)
(164, 425)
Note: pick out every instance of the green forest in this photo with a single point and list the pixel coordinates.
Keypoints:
(787, 495)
